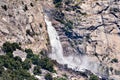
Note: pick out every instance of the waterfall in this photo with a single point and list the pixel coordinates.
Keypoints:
(78, 63)
(55, 43)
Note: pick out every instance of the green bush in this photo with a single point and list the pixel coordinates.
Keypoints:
(48, 76)
(15, 69)
(93, 77)
(22, 75)
(29, 53)
(10, 63)
(9, 54)
(47, 64)
(34, 58)
(57, 3)
(17, 58)
(27, 64)
(10, 47)
(37, 70)
(15, 46)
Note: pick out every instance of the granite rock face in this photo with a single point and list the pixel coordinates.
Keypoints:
(95, 31)
(22, 21)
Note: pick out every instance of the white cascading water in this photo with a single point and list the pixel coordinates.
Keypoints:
(78, 63)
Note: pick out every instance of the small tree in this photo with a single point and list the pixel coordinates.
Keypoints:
(15, 46)
(7, 47)
(10, 47)
(26, 64)
(47, 64)
(29, 53)
(35, 59)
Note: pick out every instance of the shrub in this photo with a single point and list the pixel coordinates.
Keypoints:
(46, 64)
(48, 77)
(7, 47)
(35, 59)
(57, 3)
(93, 77)
(37, 70)
(9, 54)
(16, 69)
(17, 58)
(26, 64)
(29, 53)
(10, 47)
(11, 63)
(15, 46)
(114, 60)
(4, 7)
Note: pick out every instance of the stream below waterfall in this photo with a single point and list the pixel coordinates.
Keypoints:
(77, 63)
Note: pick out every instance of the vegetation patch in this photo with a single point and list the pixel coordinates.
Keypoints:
(93, 77)
(13, 68)
(10, 47)
(57, 3)
(115, 60)
(48, 76)
(37, 70)
(4, 7)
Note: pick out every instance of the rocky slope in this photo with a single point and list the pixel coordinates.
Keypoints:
(22, 21)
